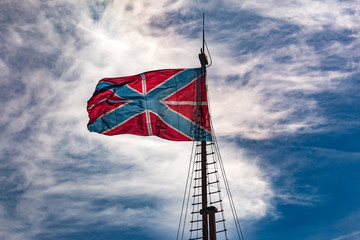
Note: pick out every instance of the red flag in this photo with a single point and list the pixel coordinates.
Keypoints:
(170, 104)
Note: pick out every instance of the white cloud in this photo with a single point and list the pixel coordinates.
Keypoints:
(59, 157)
(63, 167)
(266, 105)
(309, 14)
(348, 236)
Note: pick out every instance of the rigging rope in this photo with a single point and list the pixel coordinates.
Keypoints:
(217, 151)
(190, 176)
(187, 189)
(220, 174)
(207, 49)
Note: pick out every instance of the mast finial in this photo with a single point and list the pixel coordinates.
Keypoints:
(202, 56)
(203, 42)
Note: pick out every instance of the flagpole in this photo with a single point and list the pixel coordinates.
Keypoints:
(204, 190)
(205, 212)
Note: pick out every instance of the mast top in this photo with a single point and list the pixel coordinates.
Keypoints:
(202, 57)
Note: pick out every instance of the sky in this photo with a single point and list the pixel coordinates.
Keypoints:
(284, 91)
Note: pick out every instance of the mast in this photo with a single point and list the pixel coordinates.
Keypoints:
(204, 201)
(205, 171)
(204, 189)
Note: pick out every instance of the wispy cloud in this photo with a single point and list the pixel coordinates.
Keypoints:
(55, 172)
(352, 235)
(62, 173)
(312, 14)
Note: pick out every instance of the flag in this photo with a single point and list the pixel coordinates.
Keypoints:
(171, 104)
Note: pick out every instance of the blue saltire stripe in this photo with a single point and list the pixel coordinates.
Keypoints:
(138, 105)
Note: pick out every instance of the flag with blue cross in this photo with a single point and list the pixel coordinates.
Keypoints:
(170, 103)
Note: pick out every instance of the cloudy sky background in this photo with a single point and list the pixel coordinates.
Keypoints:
(284, 88)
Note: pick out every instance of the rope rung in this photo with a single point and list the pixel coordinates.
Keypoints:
(195, 212)
(194, 230)
(216, 202)
(224, 230)
(214, 192)
(193, 221)
(196, 238)
(213, 182)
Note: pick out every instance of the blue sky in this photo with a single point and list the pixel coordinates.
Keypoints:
(284, 90)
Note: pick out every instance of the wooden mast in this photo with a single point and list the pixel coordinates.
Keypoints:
(206, 219)
(205, 210)
(204, 189)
